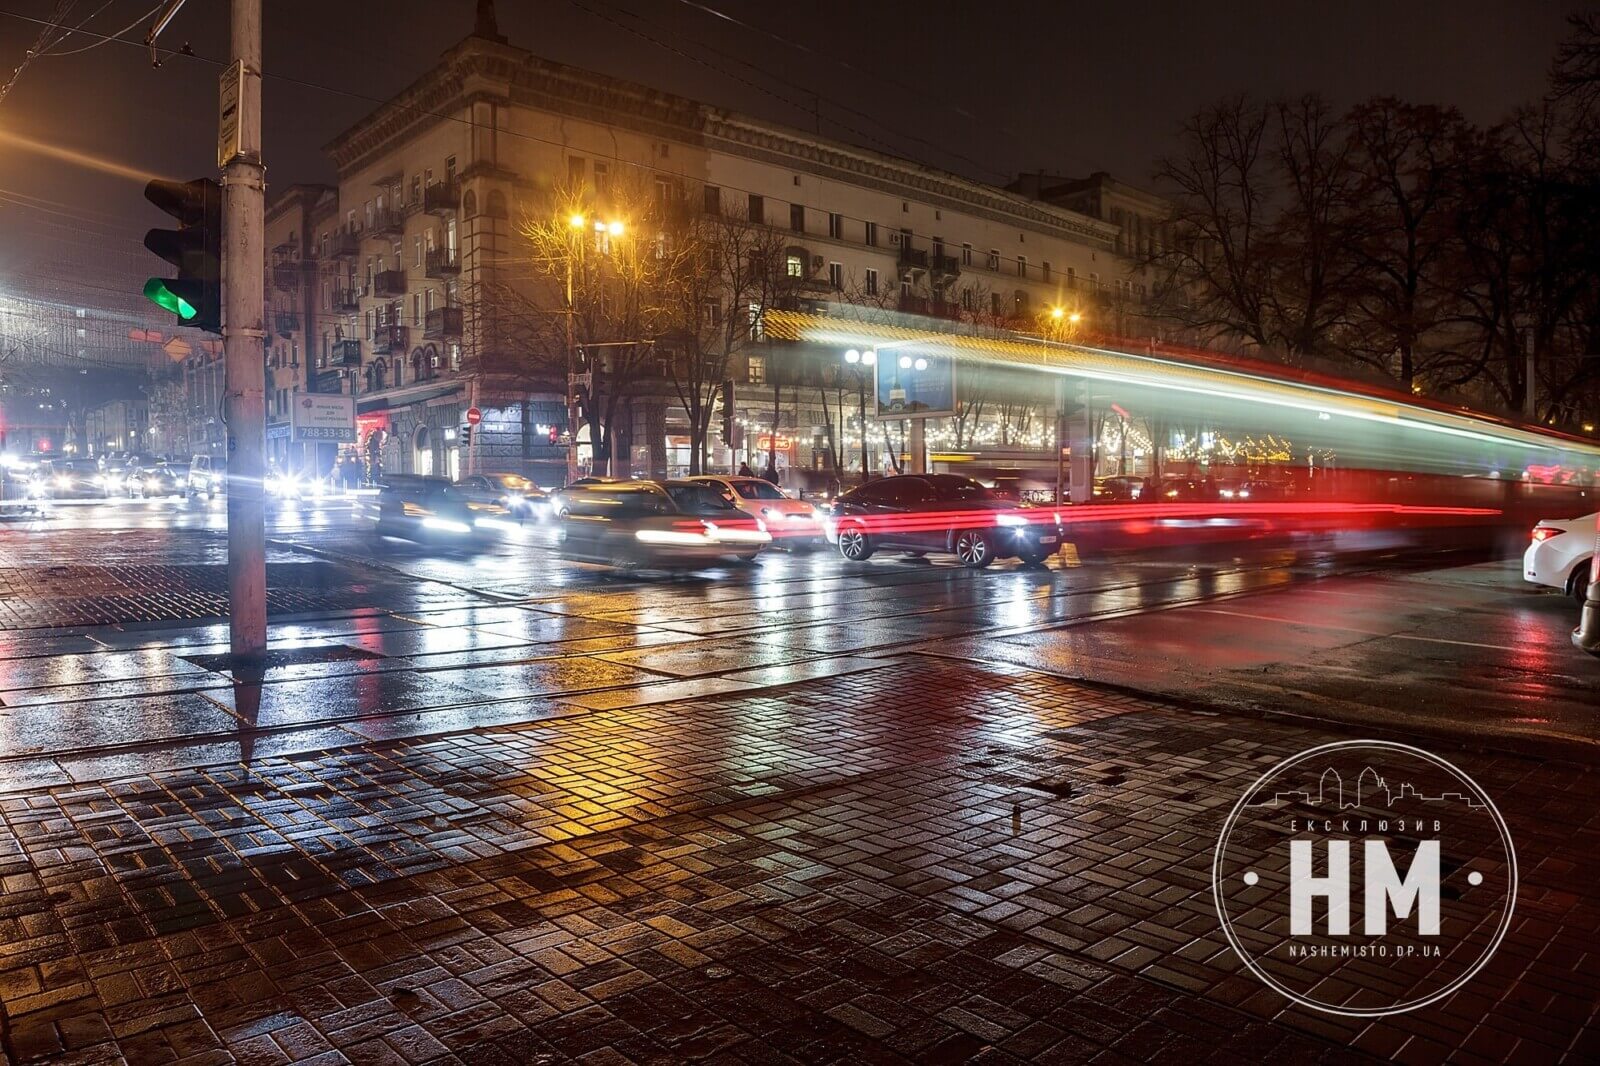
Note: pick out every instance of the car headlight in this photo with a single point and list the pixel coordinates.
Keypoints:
(1014, 520)
(152, 483)
(63, 482)
(445, 525)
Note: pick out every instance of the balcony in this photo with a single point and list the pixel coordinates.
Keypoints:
(287, 323)
(441, 197)
(347, 301)
(442, 323)
(387, 223)
(345, 353)
(929, 306)
(945, 266)
(286, 274)
(344, 244)
(388, 339)
(914, 258)
(443, 262)
(389, 283)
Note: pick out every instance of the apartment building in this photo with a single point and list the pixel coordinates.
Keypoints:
(432, 186)
(295, 218)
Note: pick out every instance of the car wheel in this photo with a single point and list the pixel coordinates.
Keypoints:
(975, 548)
(854, 545)
(1580, 583)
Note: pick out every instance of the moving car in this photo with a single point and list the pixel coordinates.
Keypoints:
(558, 498)
(207, 475)
(165, 479)
(656, 525)
(68, 478)
(521, 497)
(789, 520)
(1560, 555)
(1118, 489)
(945, 513)
(429, 509)
(118, 477)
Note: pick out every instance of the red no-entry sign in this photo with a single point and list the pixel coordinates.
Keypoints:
(474, 416)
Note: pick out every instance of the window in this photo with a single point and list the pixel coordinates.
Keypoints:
(1022, 266)
(428, 305)
(711, 313)
(758, 209)
(966, 300)
(1072, 277)
(966, 255)
(938, 248)
(1044, 270)
(794, 266)
(602, 178)
(872, 282)
(450, 169)
(994, 303)
(575, 171)
(836, 275)
(797, 217)
(1094, 281)
(713, 200)
(416, 308)
(369, 214)
(416, 188)
(993, 262)
(416, 243)
(835, 226)
(872, 234)
(664, 191)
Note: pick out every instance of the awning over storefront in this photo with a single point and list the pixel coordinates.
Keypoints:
(397, 398)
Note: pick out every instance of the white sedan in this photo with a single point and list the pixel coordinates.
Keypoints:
(790, 521)
(1560, 555)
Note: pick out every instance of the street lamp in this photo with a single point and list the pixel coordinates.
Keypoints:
(577, 222)
(858, 361)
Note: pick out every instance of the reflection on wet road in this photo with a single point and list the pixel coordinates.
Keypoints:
(512, 632)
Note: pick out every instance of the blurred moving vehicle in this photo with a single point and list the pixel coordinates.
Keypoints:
(787, 519)
(118, 477)
(429, 509)
(558, 498)
(1560, 554)
(164, 479)
(63, 479)
(944, 513)
(1118, 489)
(521, 497)
(207, 475)
(656, 525)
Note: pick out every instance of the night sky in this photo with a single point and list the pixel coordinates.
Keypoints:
(984, 90)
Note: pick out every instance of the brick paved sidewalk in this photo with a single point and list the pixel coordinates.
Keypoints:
(927, 862)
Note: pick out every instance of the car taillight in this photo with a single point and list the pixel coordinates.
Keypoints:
(1544, 533)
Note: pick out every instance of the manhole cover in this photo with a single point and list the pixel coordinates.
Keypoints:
(335, 653)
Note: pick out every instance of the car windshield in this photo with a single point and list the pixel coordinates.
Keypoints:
(756, 489)
(699, 500)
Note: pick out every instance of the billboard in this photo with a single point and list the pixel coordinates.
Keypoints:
(317, 416)
(912, 384)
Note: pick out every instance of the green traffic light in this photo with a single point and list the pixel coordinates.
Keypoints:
(156, 291)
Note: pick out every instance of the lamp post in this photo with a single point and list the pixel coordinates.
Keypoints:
(858, 361)
(578, 226)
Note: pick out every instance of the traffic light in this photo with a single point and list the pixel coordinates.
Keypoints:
(466, 435)
(195, 248)
(725, 399)
(555, 435)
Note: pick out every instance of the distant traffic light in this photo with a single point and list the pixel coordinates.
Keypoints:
(195, 248)
(555, 434)
(725, 401)
(466, 435)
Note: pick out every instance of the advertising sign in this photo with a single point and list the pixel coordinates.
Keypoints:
(911, 384)
(320, 417)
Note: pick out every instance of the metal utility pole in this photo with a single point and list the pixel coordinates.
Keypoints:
(243, 332)
(572, 384)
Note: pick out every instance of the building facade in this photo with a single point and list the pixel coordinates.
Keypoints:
(381, 287)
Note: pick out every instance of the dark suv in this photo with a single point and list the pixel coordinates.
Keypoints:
(940, 513)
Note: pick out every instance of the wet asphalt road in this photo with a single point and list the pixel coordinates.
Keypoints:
(1408, 635)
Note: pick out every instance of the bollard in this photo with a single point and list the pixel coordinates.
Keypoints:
(1587, 635)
